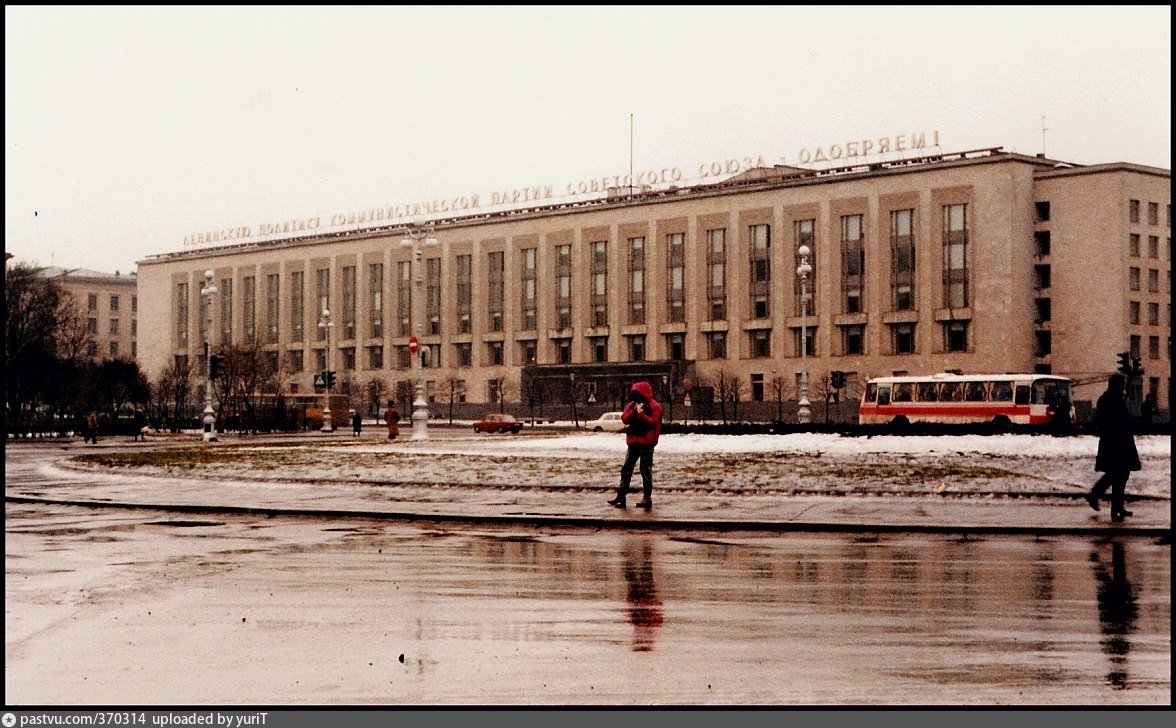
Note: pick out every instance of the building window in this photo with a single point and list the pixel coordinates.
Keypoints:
(599, 345)
(113, 302)
(716, 344)
(1134, 345)
(1133, 210)
(528, 351)
(1042, 239)
(1042, 211)
(804, 236)
(404, 297)
(902, 338)
(495, 303)
(494, 353)
(114, 350)
(1044, 343)
(853, 263)
(529, 277)
(955, 256)
(760, 237)
(463, 353)
(1133, 312)
(433, 295)
(134, 304)
(92, 301)
(955, 336)
(637, 348)
(1153, 347)
(271, 308)
(297, 301)
(181, 313)
(376, 302)
(853, 340)
(563, 290)
(1133, 278)
(114, 327)
(92, 350)
(637, 280)
(760, 341)
(465, 272)
(1153, 314)
(249, 308)
(757, 387)
(226, 303)
(564, 351)
(716, 263)
(1153, 280)
(375, 357)
(902, 259)
(134, 350)
(1044, 310)
(403, 357)
(134, 327)
(294, 360)
(348, 357)
(676, 346)
(1153, 213)
(676, 277)
(1133, 245)
(599, 284)
(91, 326)
(810, 341)
(1153, 246)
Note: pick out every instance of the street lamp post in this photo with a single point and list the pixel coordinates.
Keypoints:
(208, 291)
(325, 324)
(414, 236)
(803, 413)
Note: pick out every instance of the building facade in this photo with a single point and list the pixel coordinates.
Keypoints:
(109, 304)
(982, 261)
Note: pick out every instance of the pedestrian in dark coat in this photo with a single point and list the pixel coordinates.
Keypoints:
(356, 423)
(1117, 456)
(140, 424)
(91, 427)
(643, 422)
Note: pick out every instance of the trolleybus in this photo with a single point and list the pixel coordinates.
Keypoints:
(1000, 399)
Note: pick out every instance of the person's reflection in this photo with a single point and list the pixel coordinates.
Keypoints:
(645, 611)
(1117, 612)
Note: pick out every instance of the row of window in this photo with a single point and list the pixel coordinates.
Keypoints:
(852, 283)
(114, 353)
(1153, 314)
(92, 326)
(92, 302)
(1134, 208)
(1134, 247)
(1153, 279)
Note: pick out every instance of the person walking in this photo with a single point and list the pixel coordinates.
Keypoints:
(1117, 456)
(643, 422)
(91, 427)
(392, 419)
(140, 424)
(356, 423)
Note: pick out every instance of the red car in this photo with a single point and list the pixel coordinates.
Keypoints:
(498, 423)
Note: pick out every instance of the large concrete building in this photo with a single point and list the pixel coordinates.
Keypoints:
(983, 261)
(109, 304)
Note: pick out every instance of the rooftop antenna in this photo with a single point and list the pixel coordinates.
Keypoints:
(1043, 130)
(630, 153)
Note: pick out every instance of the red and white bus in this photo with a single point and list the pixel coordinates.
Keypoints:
(1000, 399)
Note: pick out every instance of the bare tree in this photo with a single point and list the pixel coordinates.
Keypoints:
(171, 396)
(453, 390)
(779, 385)
(730, 391)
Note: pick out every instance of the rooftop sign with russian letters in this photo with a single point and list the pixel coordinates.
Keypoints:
(849, 152)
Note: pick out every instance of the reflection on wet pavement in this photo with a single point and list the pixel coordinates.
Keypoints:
(256, 610)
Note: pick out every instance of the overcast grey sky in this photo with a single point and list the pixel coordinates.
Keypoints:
(127, 129)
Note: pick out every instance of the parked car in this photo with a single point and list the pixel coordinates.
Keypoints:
(498, 423)
(607, 422)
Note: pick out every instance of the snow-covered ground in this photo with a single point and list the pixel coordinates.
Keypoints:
(966, 465)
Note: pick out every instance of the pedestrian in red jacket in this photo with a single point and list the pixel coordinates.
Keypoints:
(643, 421)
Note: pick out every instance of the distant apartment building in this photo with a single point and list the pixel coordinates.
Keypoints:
(983, 261)
(109, 304)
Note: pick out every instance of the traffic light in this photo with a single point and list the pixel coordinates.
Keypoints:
(1136, 367)
(216, 366)
(1125, 363)
(837, 379)
(330, 379)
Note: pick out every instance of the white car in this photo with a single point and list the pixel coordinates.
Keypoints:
(607, 422)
